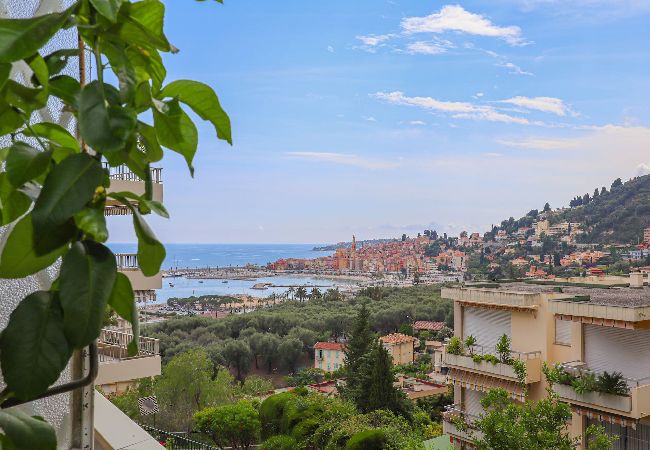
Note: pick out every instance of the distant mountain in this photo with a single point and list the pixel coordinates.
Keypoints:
(333, 247)
(617, 216)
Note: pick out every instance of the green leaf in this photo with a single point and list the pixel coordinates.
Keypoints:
(5, 71)
(34, 347)
(107, 8)
(25, 432)
(203, 100)
(23, 97)
(21, 38)
(19, 257)
(122, 301)
(10, 119)
(54, 133)
(142, 25)
(151, 253)
(57, 60)
(156, 207)
(66, 88)
(87, 277)
(13, 203)
(104, 124)
(92, 222)
(176, 131)
(67, 189)
(149, 141)
(39, 67)
(25, 163)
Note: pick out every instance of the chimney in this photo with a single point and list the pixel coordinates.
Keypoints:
(636, 280)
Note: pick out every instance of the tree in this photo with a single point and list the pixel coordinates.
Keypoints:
(616, 184)
(269, 349)
(378, 391)
(62, 218)
(547, 207)
(180, 399)
(301, 293)
(237, 426)
(290, 350)
(596, 193)
(238, 354)
(306, 336)
(404, 237)
(315, 294)
(357, 348)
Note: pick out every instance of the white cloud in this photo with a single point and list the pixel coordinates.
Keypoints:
(374, 40)
(344, 159)
(459, 110)
(425, 48)
(536, 143)
(514, 68)
(369, 118)
(330, 49)
(545, 104)
(493, 154)
(642, 169)
(456, 18)
(417, 122)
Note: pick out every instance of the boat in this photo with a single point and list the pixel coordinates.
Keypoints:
(224, 281)
(171, 284)
(200, 281)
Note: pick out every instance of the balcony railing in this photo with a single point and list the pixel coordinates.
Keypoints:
(450, 416)
(113, 345)
(123, 173)
(636, 403)
(127, 260)
(533, 361)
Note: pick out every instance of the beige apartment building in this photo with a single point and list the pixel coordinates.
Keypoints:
(585, 330)
(329, 356)
(400, 347)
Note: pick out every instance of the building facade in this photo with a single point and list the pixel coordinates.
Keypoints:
(329, 356)
(583, 330)
(400, 347)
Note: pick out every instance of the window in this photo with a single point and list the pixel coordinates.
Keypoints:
(563, 332)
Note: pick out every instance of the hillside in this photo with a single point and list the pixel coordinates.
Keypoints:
(617, 216)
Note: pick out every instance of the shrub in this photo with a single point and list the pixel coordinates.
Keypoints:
(477, 358)
(613, 383)
(585, 382)
(470, 342)
(503, 349)
(491, 359)
(271, 412)
(368, 440)
(455, 346)
(279, 442)
(520, 369)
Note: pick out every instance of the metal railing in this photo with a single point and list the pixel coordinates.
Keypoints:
(123, 173)
(485, 350)
(457, 411)
(579, 367)
(127, 260)
(175, 441)
(113, 345)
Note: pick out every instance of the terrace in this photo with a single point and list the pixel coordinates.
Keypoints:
(127, 263)
(581, 386)
(123, 179)
(454, 416)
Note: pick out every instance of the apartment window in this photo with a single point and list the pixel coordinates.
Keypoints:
(563, 332)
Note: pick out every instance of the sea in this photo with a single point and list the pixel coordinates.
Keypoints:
(225, 255)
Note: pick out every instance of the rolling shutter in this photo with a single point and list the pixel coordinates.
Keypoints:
(563, 331)
(473, 401)
(617, 349)
(486, 325)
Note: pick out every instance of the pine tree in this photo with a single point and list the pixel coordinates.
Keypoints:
(381, 394)
(356, 350)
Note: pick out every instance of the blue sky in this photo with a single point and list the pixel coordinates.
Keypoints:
(378, 117)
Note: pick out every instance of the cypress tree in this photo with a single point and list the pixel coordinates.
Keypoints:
(380, 392)
(356, 351)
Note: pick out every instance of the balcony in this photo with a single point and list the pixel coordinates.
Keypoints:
(116, 368)
(494, 298)
(449, 419)
(533, 361)
(122, 179)
(636, 404)
(127, 263)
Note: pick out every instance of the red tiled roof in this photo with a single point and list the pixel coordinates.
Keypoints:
(328, 346)
(396, 338)
(426, 325)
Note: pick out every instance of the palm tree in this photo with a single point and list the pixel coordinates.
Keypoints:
(291, 292)
(315, 294)
(301, 293)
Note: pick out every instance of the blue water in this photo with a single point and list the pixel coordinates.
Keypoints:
(222, 255)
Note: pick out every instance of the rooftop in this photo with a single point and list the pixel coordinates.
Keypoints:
(426, 325)
(396, 338)
(328, 346)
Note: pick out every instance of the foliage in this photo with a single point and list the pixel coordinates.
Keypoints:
(519, 367)
(503, 349)
(377, 390)
(477, 358)
(583, 383)
(434, 405)
(279, 442)
(612, 383)
(356, 353)
(306, 376)
(470, 342)
(491, 359)
(238, 355)
(455, 346)
(59, 186)
(368, 440)
(254, 385)
(271, 411)
(237, 425)
(597, 439)
(290, 350)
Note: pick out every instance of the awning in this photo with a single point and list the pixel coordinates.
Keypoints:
(598, 321)
(502, 306)
(483, 383)
(604, 417)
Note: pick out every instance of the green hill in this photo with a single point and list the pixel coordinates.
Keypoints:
(617, 216)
